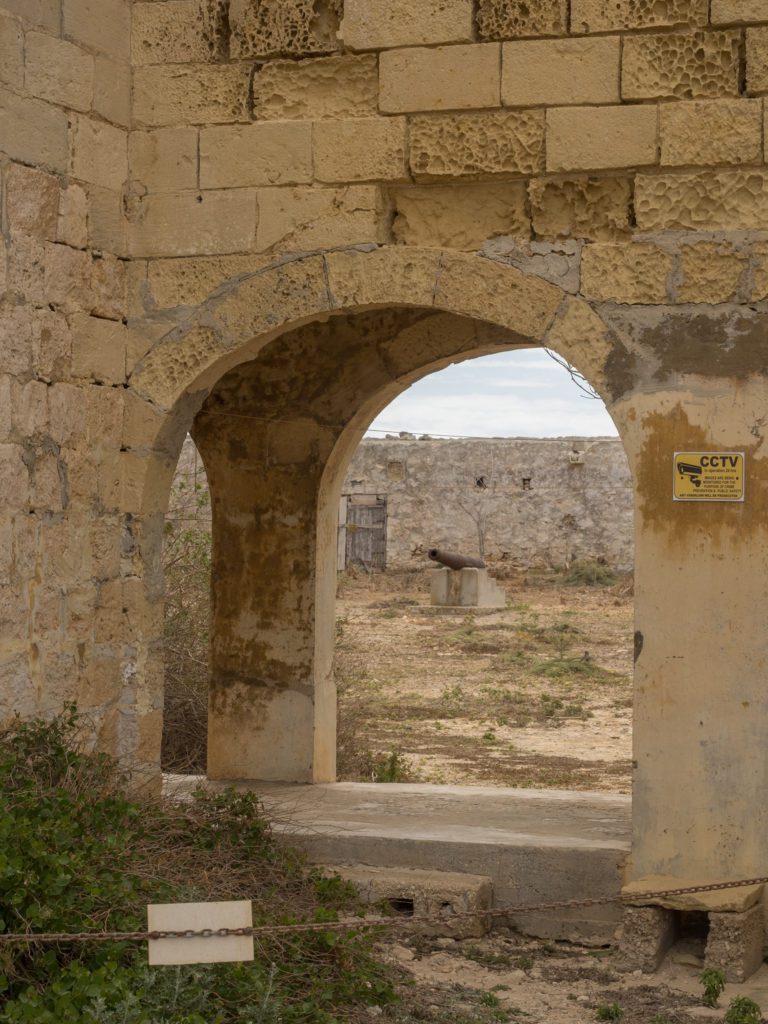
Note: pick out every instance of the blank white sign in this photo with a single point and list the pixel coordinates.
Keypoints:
(215, 949)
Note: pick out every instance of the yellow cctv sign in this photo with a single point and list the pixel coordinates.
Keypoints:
(708, 476)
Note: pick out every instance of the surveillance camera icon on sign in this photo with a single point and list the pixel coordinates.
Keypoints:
(692, 472)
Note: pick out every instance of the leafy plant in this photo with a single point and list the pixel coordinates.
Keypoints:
(590, 572)
(742, 1010)
(612, 1012)
(76, 854)
(713, 981)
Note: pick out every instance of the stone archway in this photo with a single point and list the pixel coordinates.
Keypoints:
(673, 379)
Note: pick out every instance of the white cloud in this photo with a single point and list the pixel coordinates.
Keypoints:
(509, 395)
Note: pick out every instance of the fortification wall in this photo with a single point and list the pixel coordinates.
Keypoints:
(526, 501)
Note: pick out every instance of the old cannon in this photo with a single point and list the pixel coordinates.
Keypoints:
(451, 560)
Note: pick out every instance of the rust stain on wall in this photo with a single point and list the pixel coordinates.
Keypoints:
(673, 431)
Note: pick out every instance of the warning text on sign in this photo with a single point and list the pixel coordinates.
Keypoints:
(708, 476)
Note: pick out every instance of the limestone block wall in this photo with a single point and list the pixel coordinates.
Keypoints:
(533, 501)
(270, 125)
(70, 581)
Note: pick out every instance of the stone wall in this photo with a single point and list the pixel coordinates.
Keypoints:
(533, 502)
(301, 207)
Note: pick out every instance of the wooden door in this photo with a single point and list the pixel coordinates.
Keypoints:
(366, 532)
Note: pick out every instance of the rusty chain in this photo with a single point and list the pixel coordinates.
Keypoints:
(369, 921)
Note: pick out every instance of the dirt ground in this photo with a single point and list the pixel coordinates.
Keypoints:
(510, 978)
(535, 695)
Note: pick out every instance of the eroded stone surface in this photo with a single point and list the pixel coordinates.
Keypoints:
(711, 272)
(705, 201)
(476, 145)
(635, 273)
(325, 87)
(517, 19)
(611, 15)
(757, 59)
(682, 65)
(190, 94)
(460, 217)
(582, 207)
(267, 28)
(711, 132)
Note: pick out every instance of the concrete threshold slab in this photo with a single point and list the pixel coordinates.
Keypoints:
(537, 846)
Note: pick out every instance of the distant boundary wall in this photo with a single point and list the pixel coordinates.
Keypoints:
(526, 501)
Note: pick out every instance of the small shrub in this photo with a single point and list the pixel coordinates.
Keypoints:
(590, 572)
(76, 854)
(612, 1012)
(742, 1010)
(713, 981)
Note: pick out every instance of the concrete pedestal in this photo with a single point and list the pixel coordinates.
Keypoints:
(466, 588)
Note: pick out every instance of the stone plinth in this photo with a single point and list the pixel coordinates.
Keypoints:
(466, 588)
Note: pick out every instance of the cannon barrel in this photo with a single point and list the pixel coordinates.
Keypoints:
(451, 560)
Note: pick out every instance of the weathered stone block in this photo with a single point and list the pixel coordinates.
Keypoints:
(58, 71)
(443, 78)
(164, 160)
(559, 72)
(303, 219)
(106, 220)
(189, 281)
(104, 25)
(735, 943)
(757, 59)
(647, 934)
(707, 201)
(384, 24)
(278, 153)
(627, 273)
(112, 90)
(460, 216)
(589, 138)
(468, 588)
(98, 349)
(430, 894)
(518, 19)
(67, 278)
(109, 295)
(361, 149)
(99, 153)
(15, 490)
(188, 223)
(11, 52)
(67, 414)
(711, 132)
(26, 270)
(732, 12)
(33, 132)
(593, 208)
(190, 94)
(613, 15)
(272, 28)
(760, 283)
(31, 201)
(476, 145)
(346, 86)
(500, 294)
(684, 65)
(50, 344)
(711, 272)
(166, 33)
(46, 13)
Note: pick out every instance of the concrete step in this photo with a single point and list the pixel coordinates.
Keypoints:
(429, 902)
(536, 846)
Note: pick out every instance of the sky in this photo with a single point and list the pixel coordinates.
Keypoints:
(509, 394)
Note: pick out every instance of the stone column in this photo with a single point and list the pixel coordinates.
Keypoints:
(263, 703)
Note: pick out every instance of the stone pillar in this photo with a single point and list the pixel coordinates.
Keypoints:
(700, 713)
(264, 704)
